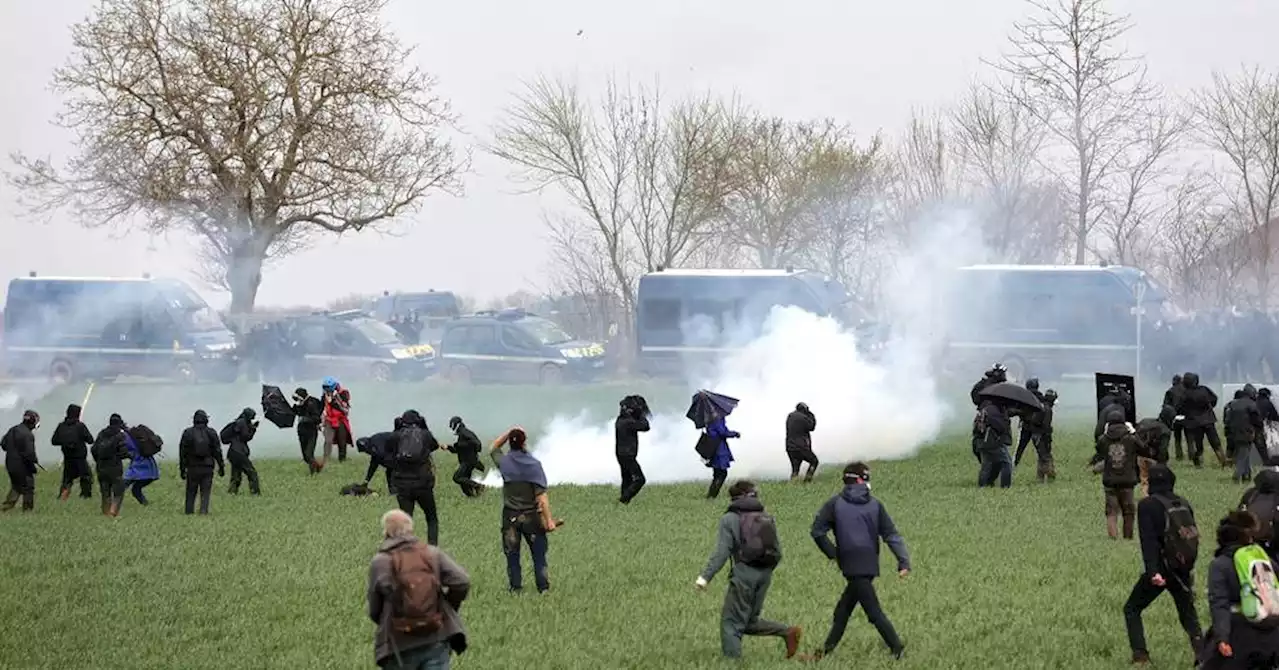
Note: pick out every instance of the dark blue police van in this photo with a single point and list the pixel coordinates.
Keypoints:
(68, 328)
(515, 346)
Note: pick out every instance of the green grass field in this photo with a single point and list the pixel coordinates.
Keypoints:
(1024, 578)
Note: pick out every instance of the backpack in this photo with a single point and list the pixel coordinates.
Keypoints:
(228, 433)
(760, 547)
(411, 449)
(1258, 600)
(200, 443)
(357, 489)
(415, 599)
(1181, 542)
(149, 444)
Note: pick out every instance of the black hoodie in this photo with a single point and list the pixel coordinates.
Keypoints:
(19, 445)
(404, 472)
(1153, 519)
(1240, 418)
(188, 461)
(1198, 403)
(1261, 500)
(72, 436)
(241, 431)
(1117, 450)
(109, 449)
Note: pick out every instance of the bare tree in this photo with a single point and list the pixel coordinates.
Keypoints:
(1192, 230)
(1069, 71)
(256, 124)
(924, 174)
(643, 177)
(1237, 118)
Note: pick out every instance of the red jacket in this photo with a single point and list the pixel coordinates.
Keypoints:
(337, 410)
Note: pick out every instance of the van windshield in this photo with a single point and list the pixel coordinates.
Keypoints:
(546, 332)
(378, 332)
(190, 310)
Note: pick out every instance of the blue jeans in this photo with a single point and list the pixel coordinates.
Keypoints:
(434, 657)
(995, 463)
(526, 527)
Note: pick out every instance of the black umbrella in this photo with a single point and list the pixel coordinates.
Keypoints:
(707, 406)
(276, 407)
(1013, 393)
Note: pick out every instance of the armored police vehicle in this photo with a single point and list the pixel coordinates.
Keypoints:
(515, 346)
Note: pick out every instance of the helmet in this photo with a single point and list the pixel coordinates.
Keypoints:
(330, 383)
(1033, 384)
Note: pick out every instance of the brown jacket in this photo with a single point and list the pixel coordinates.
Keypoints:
(454, 583)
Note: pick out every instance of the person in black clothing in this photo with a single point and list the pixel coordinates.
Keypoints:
(413, 471)
(309, 410)
(995, 375)
(237, 435)
(996, 435)
(376, 448)
(1173, 398)
(800, 426)
(198, 452)
(20, 462)
(1115, 402)
(633, 419)
(859, 523)
(467, 447)
(74, 438)
(1199, 420)
(1260, 500)
(1266, 408)
(1168, 561)
(1153, 444)
(109, 452)
(1232, 640)
(1028, 420)
(1116, 457)
(1242, 422)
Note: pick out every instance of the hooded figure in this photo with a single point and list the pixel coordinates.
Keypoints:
(413, 471)
(1153, 445)
(860, 523)
(109, 452)
(995, 375)
(799, 441)
(20, 462)
(633, 419)
(337, 420)
(237, 435)
(1233, 641)
(142, 469)
(1173, 398)
(995, 434)
(1267, 409)
(1029, 422)
(1199, 420)
(199, 452)
(1116, 457)
(1260, 501)
(310, 412)
(467, 447)
(723, 457)
(1242, 422)
(1164, 567)
(74, 438)
(375, 447)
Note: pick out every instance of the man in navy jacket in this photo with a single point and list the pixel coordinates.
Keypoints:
(859, 522)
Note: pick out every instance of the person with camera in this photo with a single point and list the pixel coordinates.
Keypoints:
(310, 412)
(633, 419)
(337, 420)
(800, 426)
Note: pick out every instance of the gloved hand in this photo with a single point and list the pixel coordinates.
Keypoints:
(221, 472)
(182, 474)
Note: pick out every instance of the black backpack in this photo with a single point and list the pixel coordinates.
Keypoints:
(228, 433)
(1181, 535)
(411, 448)
(200, 443)
(760, 547)
(149, 444)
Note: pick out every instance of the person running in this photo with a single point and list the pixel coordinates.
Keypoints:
(237, 435)
(467, 447)
(310, 412)
(109, 453)
(1117, 459)
(143, 470)
(526, 510)
(1170, 542)
(747, 538)
(198, 452)
(722, 457)
(413, 471)
(859, 522)
(74, 438)
(799, 442)
(20, 462)
(633, 419)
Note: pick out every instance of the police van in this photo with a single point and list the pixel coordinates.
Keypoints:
(433, 308)
(690, 317)
(351, 344)
(515, 346)
(1050, 320)
(68, 328)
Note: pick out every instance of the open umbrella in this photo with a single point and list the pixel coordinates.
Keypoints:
(276, 407)
(707, 406)
(1013, 393)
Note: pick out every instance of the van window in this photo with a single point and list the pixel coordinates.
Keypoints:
(516, 338)
(661, 314)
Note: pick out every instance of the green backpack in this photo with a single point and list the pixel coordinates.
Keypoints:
(1258, 600)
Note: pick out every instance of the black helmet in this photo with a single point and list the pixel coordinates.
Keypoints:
(455, 422)
(1033, 384)
(802, 407)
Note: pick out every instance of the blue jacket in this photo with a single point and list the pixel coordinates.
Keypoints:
(721, 432)
(141, 468)
(859, 522)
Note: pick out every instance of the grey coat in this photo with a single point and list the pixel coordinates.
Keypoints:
(454, 583)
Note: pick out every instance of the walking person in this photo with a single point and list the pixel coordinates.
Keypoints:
(1170, 542)
(198, 452)
(1200, 422)
(526, 509)
(337, 420)
(20, 462)
(799, 441)
(1173, 398)
(466, 447)
(74, 439)
(1028, 422)
(414, 594)
(859, 522)
(996, 429)
(109, 453)
(722, 457)
(1117, 459)
(1242, 422)
(237, 435)
(413, 471)
(310, 412)
(1235, 639)
(633, 419)
(143, 469)
(1260, 500)
(747, 538)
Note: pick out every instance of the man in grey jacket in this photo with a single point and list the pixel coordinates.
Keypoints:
(859, 522)
(748, 585)
(391, 648)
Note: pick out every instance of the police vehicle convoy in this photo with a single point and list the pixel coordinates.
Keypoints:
(515, 346)
(353, 344)
(69, 328)
(688, 318)
(427, 311)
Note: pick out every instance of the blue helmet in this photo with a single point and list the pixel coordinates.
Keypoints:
(330, 383)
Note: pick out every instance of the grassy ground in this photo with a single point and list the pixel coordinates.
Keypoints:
(1024, 578)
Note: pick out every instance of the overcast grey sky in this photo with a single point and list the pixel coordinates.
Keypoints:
(866, 62)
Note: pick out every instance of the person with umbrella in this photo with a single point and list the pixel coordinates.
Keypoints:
(708, 411)
(994, 429)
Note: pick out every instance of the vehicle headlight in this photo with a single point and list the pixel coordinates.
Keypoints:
(571, 353)
(401, 354)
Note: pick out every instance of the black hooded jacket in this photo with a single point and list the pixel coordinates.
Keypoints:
(1117, 450)
(404, 472)
(72, 436)
(1152, 520)
(467, 447)
(1261, 500)
(310, 411)
(375, 447)
(800, 426)
(626, 433)
(19, 445)
(109, 449)
(1198, 403)
(241, 431)
(1241, 418)
(1267, 408)
(191, 442)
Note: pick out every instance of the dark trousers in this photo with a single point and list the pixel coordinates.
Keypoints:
(1144, 593)
(73, 469)
(241, 466)
(1240, 449)
(462, 477)
(860, 591)
(21, 485)
(135, 487)
(798, 456)
(199, 481)
(1043, 443)
(717, 480)
(1177, 441)
(421, 494)
(632, 477)
(995, 462)
(975, 445)
(307, 436)
(111, 485)
(1196, 436)
(743, 604)
(526, 527)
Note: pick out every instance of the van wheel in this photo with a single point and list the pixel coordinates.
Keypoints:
(1016, 368)
(551, 375)
(184, 373)
(459, 374)
(61, 372)
(380, 372)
